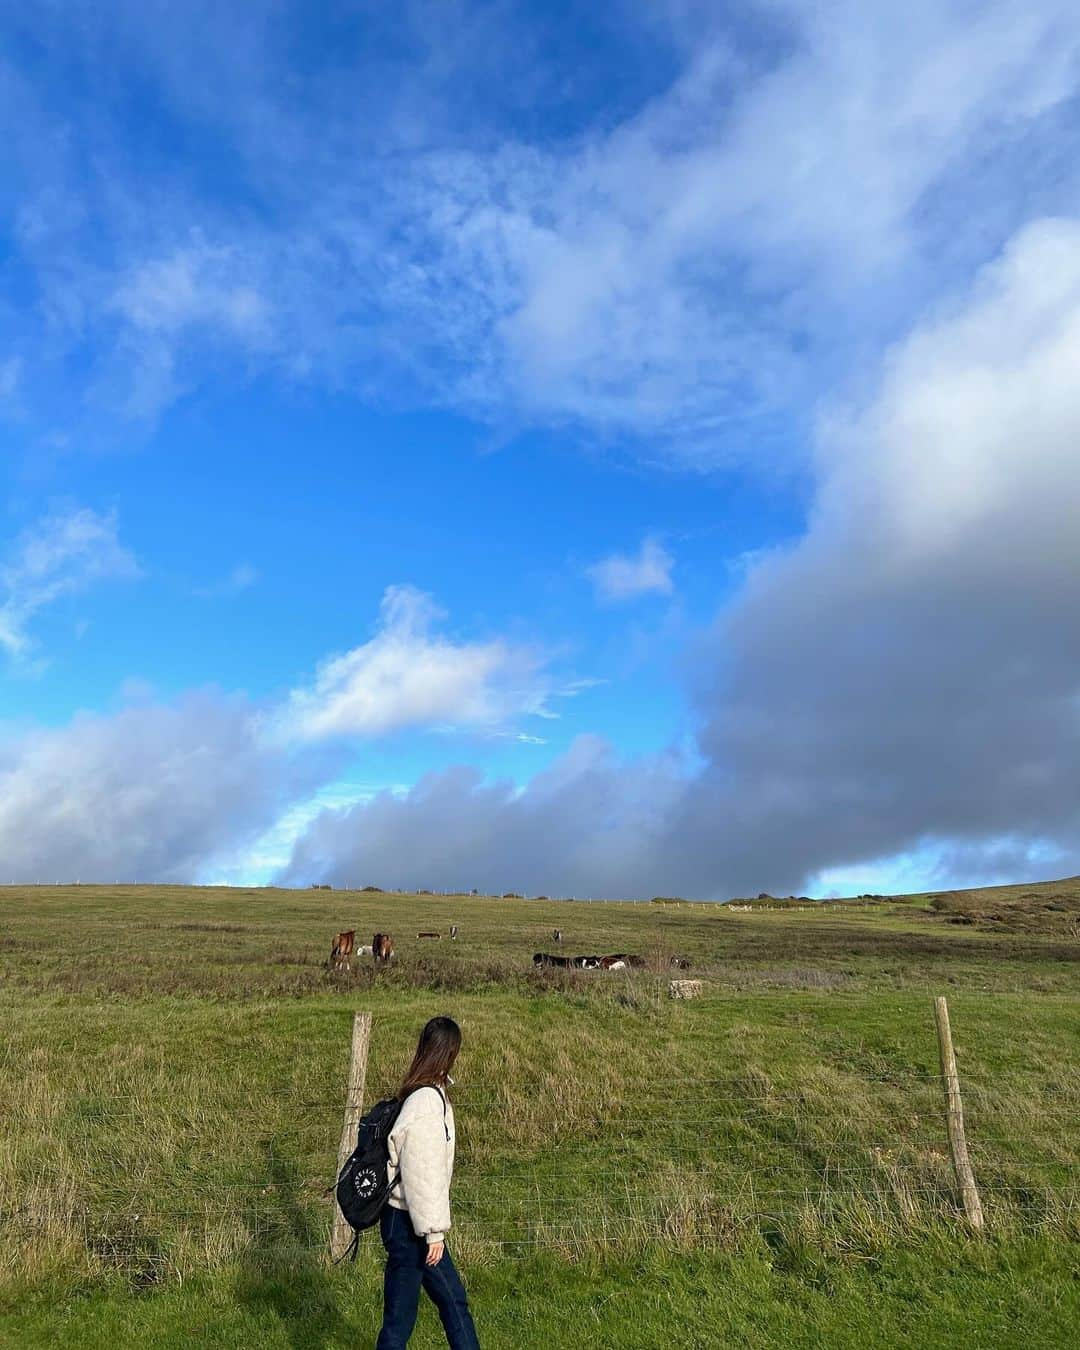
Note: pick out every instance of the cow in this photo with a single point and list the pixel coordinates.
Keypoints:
(342, 949)
(365, 950)
(680, 962)
(612, 963)
(544, 959)
(382, 947)
(453, 930)
(586, 962)
(558, 935)
(429, 935)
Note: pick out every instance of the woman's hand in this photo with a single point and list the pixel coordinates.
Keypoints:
(434, 1253)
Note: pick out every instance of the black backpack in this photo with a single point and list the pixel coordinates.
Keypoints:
(363, 1187)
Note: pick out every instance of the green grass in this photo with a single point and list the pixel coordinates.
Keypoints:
(766, 1165)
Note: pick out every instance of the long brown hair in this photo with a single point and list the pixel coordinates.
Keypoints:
(436, 1051)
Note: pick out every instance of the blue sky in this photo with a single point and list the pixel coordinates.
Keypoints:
(587, 452)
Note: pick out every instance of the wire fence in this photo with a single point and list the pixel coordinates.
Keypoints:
(687, 1164)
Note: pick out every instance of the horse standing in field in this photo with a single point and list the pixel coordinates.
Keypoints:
(382, 947)
(342, 950)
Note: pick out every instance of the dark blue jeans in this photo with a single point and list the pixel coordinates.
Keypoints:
(406, 1274)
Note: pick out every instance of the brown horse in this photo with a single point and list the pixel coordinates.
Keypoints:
(342, 950)
(382, 947)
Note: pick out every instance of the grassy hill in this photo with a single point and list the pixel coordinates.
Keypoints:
(765, 1165)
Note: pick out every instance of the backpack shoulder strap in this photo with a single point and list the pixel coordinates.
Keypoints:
(446, 1128)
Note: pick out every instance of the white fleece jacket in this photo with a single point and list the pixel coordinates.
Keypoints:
(419, 1146)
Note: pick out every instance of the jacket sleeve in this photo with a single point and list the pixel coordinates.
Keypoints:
(425, 1173)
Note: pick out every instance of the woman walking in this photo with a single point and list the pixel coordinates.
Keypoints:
(417, 1216)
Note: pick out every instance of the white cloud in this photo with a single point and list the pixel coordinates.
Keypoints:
(409, 675)
(620, 577)
(62, 554)
(669, 275)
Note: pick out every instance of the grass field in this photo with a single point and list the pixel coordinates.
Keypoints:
(767, 1165)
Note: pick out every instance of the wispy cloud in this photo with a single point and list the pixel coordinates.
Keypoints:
(62, 554)
(242, 577)
(10, 378)
(624, 577)
(194, 297)
(192, 285)
(666, 275)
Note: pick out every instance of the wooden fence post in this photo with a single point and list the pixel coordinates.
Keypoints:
(341, 1234)
(954, 1112)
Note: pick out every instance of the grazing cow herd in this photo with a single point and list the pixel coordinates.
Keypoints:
(344, 948)
(620, 961)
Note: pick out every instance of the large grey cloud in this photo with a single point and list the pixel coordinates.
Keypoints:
(152, 792)
(912, 669)
(581, 827)
(907, 674)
